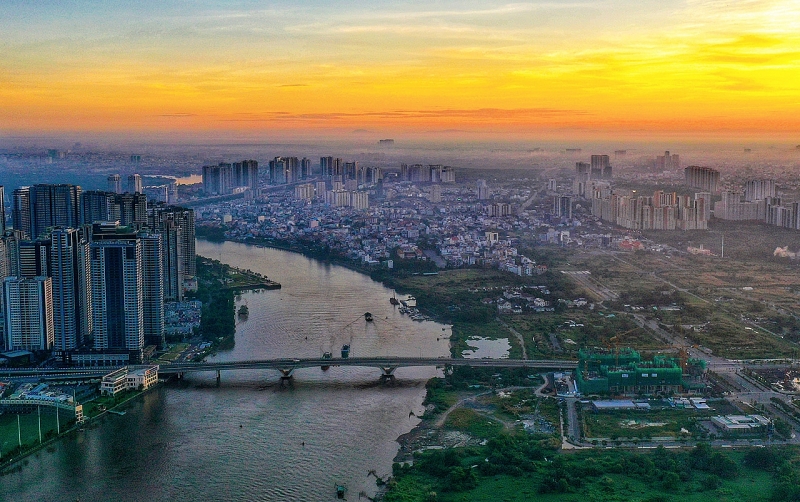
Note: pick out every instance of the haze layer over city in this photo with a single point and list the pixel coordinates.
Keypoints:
(400, 251)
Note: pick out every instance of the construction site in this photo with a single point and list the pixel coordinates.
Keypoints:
(623, 371)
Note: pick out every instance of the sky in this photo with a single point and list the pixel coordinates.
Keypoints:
(544, 69)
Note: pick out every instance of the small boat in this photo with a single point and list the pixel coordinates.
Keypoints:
(326, 355)
(345, 351)
(393, 300)
(368, 316)
(340, 491)
(244, 311)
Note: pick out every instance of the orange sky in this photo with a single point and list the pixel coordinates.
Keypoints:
(555, 68)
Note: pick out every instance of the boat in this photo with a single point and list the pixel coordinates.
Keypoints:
(244, 311)
(340, 491)
(326, 355)
(393, 300)
(368, 316)
(345, 351)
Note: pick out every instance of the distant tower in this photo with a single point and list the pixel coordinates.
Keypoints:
(436, 194)
(483, 190)
(96, 206)
(2, 210)
(601, 167)
(42, 206)
(130, 208)
(115, 183)
(21, 211)
(134, 183)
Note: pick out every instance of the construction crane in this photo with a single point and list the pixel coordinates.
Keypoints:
(683, 354)
(615, 340)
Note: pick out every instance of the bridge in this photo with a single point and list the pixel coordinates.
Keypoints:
(386, 364)
(287, 366)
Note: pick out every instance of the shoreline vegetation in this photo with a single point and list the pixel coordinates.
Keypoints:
(480, 440)
(217, 286)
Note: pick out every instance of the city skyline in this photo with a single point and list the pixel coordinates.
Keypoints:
(512, 70)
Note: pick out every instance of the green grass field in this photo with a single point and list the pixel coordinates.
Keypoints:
(476, 424)
(29, 425)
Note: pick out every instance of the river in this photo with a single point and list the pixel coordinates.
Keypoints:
(255, 438)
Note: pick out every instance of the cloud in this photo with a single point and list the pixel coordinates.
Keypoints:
(479, 114)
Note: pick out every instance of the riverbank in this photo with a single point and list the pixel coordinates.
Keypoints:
(231, 278)
(114, 410)
(319, 255)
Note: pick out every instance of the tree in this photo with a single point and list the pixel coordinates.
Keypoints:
(761, 458)
(670, 481)
(711, 482)
(460, 479)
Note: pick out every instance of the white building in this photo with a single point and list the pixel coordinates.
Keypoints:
(129, 378)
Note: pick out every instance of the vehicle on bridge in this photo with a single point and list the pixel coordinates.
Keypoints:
(326, 355)
(345, 351)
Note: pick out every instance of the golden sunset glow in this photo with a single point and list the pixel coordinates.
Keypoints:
(524, 68)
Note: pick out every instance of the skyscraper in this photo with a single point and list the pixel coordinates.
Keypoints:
(2, 210)
(134, 183)
(245, 174)
(130, 209)
(173, 260)
(117, 290)
(600, 167)
(331, 167)
(667, 162)
(483, 190)
(31, 258)
(562, 206)
(97, 206)
(152, 264)
(755, 190)
(21, 211)
(50, 206)
(218, 180)
(28, 309)
(115, 183)
(182, 218)
(72, 306)
(704, 178)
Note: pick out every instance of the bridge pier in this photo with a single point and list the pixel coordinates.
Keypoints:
(219, 379)
(286, 374)
(388, 373)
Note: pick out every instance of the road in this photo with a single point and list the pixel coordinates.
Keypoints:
(517, 334)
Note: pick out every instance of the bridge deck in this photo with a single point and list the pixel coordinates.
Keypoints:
(283, 364)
